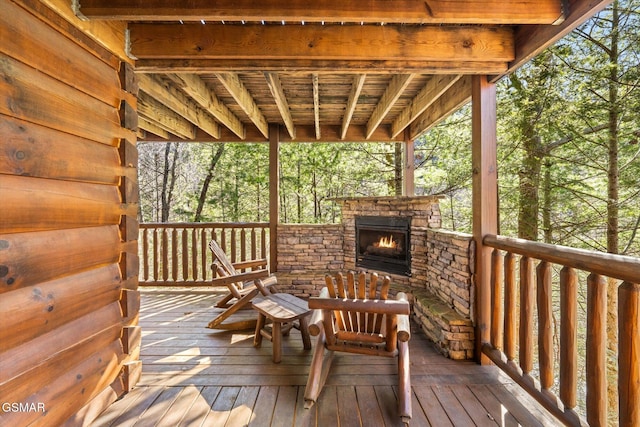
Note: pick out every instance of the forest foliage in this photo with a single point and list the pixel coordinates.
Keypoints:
(568, 155)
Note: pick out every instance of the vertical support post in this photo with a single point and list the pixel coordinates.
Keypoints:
(274, 191)
(485, 199)
(409, 165)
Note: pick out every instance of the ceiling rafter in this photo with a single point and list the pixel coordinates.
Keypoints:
(197, 89)
(180, 103)
(154, 128)
(454, 98)
(317, 42)
(241, 95)
(391, 94)
(316, 103)
(396, 11)
(151, 110)
(356, 47)
(352, 101)
(432, 90)
(275, 85)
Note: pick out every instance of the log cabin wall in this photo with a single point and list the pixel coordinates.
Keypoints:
(69, 341)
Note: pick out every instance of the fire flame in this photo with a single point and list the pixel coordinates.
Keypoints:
(387, 242)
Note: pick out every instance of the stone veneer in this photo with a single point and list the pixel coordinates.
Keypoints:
(440, 285)
(306, 253)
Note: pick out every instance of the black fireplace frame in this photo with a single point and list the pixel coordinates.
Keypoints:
(392, 224)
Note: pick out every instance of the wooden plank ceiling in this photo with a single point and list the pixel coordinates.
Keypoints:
(332, 70)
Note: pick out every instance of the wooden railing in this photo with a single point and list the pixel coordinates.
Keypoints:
(177, 254)
(514, 326)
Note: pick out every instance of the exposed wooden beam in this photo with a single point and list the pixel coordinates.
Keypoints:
(153, 128)
(316, 103)
(533, 39)
(110, 35)
(304, 133)
(196, 88)
(152, 111)
(434, 88)
(180, 103)
(457, 95)
(398, 11)
(389, 97)
(273, 80)
(329, 42)
(352, 101)
(239, 92)
(320, 66)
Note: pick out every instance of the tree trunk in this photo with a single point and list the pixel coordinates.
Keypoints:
(168, 179)
(215, 156)
(612, 211)
(398, 168)
(529, 186)
(546, 204)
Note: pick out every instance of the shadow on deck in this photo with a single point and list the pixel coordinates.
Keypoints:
(194, 376)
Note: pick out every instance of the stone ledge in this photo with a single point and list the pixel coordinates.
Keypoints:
(453, 334)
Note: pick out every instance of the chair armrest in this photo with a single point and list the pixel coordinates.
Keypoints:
(266, 286)
(240, 277)
(362, 306)
(404, 327)
(240, 265)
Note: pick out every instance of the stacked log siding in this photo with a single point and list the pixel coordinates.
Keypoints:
(69, 342)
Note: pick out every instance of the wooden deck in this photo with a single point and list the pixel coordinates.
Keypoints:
(193, 376)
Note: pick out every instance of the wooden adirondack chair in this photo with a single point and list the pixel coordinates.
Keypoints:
(242, 286)
(353, 319)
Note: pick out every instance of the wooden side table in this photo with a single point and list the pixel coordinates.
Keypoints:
(281, 309)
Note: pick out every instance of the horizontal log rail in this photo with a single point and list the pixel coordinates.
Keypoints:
(516, 332)
(177, 254)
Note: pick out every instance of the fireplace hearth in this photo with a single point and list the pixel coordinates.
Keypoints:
(383, 243)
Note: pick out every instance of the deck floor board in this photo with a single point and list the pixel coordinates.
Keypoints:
(194, 376)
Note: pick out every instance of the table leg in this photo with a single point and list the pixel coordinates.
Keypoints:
(276, 337)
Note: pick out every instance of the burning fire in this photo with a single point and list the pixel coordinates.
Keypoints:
(386, 242)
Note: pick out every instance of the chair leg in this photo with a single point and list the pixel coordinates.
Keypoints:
(404, 388)
(257, 339)
(246, 299)
(318, 372)
(223, 302)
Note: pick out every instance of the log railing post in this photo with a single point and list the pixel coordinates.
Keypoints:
(596, 350)
(629, 354)
(510, 321)
(568, 337)
(526, 315)
(497, 311)
(545, 326)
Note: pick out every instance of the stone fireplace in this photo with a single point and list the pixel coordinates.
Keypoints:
(405, 218)
(436, 265)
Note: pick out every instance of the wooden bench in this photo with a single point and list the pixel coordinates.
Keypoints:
(283, 310)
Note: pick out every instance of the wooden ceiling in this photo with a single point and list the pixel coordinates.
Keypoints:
(332, 70)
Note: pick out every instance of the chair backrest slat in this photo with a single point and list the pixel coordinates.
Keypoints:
(222, 258)
(366, 327)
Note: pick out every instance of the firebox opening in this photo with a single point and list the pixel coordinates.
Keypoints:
(382, 243)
